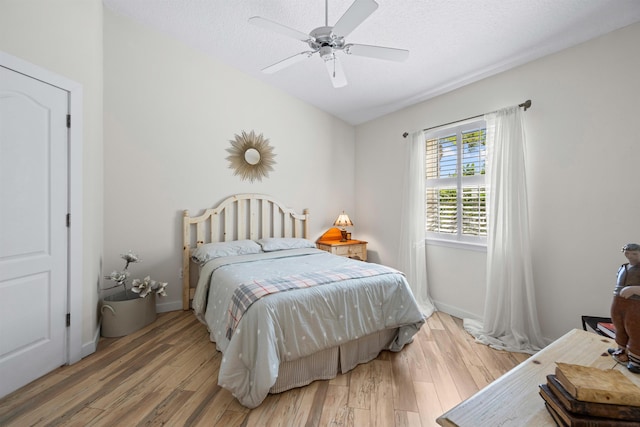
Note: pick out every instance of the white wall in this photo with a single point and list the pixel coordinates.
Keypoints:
(582, 159)
(169, 115)
(65, 37)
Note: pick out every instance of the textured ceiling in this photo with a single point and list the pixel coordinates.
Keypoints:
(451, 42)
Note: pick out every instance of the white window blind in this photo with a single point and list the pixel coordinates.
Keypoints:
(455, 183)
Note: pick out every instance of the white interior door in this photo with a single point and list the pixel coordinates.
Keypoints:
(33, 229)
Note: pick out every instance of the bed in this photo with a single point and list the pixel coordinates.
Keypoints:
(282, 312)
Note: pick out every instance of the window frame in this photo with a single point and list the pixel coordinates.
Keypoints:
(459, 182)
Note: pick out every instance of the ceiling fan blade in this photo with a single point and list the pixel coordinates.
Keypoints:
(336, 73)
(287, 62)
(354, 16)
(378, 52)
(279, 28)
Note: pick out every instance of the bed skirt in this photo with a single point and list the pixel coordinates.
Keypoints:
(327, 364)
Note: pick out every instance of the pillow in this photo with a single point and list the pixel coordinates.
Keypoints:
(210, 251)
(279, 243)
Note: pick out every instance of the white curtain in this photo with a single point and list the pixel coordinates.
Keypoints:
(510, 317)
(412, 256)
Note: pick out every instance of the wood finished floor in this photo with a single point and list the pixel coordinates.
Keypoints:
(166, 374)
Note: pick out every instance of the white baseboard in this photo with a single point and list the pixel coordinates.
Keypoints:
(168, 306)
(456, 311)
(462, 314)
(91, 346)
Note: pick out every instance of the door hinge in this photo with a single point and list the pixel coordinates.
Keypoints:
(68, 220)
(68, 319)
(69, 120)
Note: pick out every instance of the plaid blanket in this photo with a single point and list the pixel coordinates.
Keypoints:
(250, 292)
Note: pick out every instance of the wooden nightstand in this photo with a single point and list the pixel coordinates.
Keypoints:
(330, 242)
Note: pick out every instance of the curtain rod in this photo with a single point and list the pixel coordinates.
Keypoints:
(526, 105)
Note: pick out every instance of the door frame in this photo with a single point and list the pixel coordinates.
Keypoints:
(74, 176)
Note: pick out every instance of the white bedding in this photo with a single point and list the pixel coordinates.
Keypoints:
(288, 325)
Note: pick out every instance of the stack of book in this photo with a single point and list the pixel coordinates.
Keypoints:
(583, 396)
(607, 329)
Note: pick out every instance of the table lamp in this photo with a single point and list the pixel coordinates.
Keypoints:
(343, 221)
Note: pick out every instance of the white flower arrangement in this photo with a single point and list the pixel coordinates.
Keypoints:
(141, 287)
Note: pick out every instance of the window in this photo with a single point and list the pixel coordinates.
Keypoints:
(455, 183)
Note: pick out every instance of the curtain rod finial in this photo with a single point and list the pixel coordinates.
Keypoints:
(526, 104)
(406, 134)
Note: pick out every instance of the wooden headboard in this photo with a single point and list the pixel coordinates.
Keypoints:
(243, 216)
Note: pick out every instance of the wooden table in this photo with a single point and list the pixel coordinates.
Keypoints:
(513, 399)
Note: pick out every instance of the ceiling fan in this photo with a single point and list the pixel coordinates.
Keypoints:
(327, 41)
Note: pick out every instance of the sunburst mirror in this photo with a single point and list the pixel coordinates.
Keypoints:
(251, 156)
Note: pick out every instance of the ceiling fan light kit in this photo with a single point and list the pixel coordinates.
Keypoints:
(327, 41)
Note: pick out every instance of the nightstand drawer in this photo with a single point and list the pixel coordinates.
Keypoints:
(352, 251)
(356, 249)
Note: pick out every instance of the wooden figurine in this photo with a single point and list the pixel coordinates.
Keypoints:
(625, 310)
